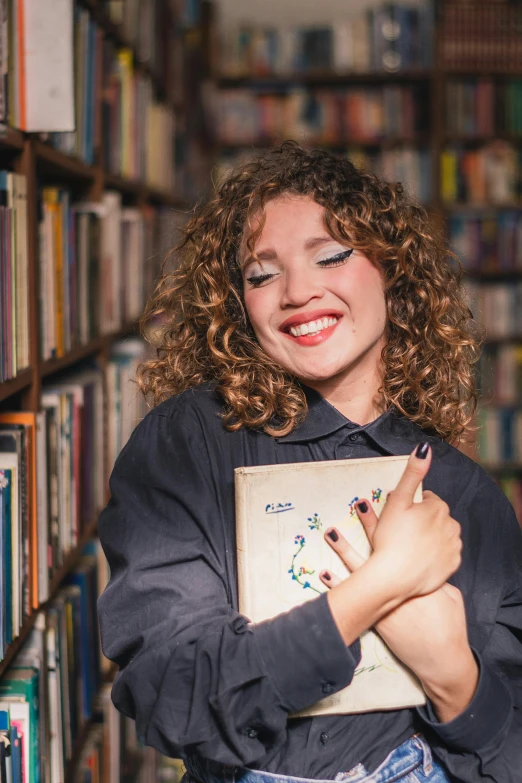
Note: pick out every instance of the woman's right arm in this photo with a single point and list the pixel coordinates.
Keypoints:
(193, 672)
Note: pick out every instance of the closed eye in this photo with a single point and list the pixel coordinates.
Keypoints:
(336, 260)
(257, 280)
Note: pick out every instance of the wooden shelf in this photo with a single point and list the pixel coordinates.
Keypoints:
(323, 78)
(50, 366)
(124, 185)
(15, 385)
(69, 562)
(59, 163)
(11, 138)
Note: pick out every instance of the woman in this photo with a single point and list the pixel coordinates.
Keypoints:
(313, 316)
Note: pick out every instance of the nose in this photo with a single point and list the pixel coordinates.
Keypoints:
(300, 287)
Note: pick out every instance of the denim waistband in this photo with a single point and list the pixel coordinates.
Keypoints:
(414, 755)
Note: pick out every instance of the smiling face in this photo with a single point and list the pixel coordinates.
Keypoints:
(317, 306)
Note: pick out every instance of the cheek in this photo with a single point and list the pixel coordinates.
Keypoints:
(258, 310)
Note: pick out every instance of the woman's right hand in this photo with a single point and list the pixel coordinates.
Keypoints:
(418, 544)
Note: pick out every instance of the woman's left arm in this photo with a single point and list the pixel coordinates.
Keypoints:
(473, 719)
(484, 742)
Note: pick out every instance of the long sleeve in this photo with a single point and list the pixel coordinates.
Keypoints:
(193, 672)
(485, 741)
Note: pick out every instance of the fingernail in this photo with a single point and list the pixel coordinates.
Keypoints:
(363, 507)
(422, 450)
(333, 535)
(326, 576)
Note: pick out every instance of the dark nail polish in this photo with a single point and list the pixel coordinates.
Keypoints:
(363, 507)
(422, 450)
(326, 576)
(332, 535)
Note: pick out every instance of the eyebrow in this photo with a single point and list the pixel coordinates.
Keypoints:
(270, 255)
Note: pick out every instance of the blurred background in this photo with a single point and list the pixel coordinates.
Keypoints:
(116, 116)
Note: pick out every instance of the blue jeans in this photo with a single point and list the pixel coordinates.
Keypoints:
(411, 762)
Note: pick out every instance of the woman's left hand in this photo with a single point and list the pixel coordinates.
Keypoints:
(427, 633)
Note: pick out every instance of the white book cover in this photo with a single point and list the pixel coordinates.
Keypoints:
(48, 65)
(282, 513)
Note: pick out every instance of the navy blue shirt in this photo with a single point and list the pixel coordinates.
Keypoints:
(206, 685)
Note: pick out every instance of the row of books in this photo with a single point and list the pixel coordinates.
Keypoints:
(138, 132)
(370, 114)
(490, 174)
(500, 374)
(481, 35)
(497, 307)
(511, 486)
(52, 475)
(483, 107)
(61, 657)
(97, 263)
(499, 435)
(112, 752)
(390, 37)
(14, 277)
(488, 241)
(408, 165)
(53, 688)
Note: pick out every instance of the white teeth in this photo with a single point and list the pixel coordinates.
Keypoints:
(313, 327)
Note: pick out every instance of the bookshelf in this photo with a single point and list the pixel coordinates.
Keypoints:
(150, 48)
(466, 121)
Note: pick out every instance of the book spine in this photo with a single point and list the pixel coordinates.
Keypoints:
(242, 544)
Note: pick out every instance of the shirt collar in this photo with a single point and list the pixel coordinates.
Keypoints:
(390, 430)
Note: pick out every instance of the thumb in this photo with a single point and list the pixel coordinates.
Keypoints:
(416, 469)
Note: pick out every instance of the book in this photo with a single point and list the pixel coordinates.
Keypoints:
(282, 512)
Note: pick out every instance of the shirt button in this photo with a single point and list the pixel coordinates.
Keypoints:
(353, 437)
(327, 687)
(251, 733)
(324, 737)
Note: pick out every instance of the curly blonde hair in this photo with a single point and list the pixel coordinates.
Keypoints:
(431, 344)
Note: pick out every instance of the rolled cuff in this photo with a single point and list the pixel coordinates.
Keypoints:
(305, 655)
(485, 718)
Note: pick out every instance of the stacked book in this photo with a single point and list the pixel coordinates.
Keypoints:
(487, 175)
(94, 268)
(500, 435)
(125, 403)
(85, 139)
(370, 114)
(500, 374)
(61, 658)
(51, 487)
(483, 107)
(14, 275)
(405, 164)
(481, 35)
(487, 242)
(138, 131)
(497, 307)
(390, 37)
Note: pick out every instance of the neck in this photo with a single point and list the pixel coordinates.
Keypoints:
(356, 398)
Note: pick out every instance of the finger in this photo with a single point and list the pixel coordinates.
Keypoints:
(414, 472)
(350, 557)
(368, 518)
(329, 579)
